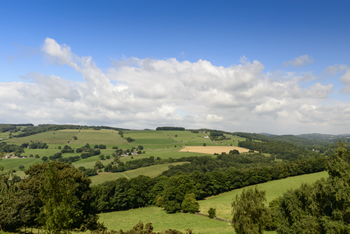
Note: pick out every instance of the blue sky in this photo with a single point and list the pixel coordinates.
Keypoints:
(222, 53)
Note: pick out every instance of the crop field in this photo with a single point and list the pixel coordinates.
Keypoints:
(276, 188)
(212, 149)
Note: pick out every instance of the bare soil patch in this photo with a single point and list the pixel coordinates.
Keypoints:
(212, 149)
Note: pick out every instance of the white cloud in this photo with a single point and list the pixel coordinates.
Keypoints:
(299, 61)
(214, 118)
(146, 93)
(346, 80)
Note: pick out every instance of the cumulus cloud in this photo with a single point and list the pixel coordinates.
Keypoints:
(299, 61)
(344, 78)
(146, 93)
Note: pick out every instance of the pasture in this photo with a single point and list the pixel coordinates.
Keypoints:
(161, 221)
(151, 171)
(199, 224)
(276, 188)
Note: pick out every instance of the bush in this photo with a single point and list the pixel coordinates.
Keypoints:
(212, 213)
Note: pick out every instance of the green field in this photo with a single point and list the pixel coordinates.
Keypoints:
(274, 189)
(16, 162)
(161, 221)
(200, 224)
(151, 171)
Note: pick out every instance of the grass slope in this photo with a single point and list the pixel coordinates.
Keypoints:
(151, 171)
(161, 221)
(199, 224)
(222, 202)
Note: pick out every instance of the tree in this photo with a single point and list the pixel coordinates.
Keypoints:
(212, 213)
(99, 165)
(45, 158)
(189, 204)
(323, 207)
(59, 202)
(249, 212)
(54, 184)
(175, 191)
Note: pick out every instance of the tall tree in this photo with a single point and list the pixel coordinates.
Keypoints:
(250, 215)
(55, 184)
(323, 207)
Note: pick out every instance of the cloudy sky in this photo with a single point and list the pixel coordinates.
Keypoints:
(281, 67)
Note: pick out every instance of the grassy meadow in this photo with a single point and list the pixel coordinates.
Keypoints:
(200, 224)
(274, 189)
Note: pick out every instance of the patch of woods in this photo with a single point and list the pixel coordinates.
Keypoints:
(170, 129)
(57, 197)
(280, 150)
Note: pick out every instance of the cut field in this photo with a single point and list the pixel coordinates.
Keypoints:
(276, 188)
(212, 149)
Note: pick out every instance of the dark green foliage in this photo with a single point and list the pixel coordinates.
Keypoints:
(170, 129)
(281, 150)
(8, 148)
(174, 192)
(67, 149)
(99, 165)
(123, 194)
(190, 204)
(129, 139)
(69, 180)
(60, 205)
(37, 145)
(323, 207)
(273, 222)
(15, 205)
(212, 213)
(249, 212)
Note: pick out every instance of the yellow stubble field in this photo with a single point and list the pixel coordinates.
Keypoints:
(212, 149)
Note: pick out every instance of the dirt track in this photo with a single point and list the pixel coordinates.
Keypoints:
(212, 149)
